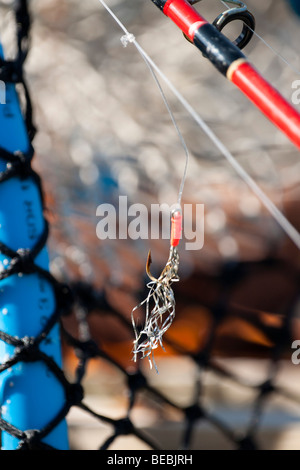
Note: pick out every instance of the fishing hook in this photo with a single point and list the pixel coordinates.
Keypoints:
(161, 313)
(239, 13)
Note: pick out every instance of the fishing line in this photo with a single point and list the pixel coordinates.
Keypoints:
(130, 38)
(160, 301)
(284, 223)
(274, 51)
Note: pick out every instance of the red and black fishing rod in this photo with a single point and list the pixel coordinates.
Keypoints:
(233, 64)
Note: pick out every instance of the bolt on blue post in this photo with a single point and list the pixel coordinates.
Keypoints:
(30, 393)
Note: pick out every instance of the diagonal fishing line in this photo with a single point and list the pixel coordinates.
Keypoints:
(283, 222)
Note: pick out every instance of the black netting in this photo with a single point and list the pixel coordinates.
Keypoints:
(80, 300)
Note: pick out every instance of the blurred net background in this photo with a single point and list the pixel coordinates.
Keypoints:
(103, 131)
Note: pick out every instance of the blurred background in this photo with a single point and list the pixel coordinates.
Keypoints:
(103, 131)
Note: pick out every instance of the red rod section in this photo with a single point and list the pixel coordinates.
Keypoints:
(184, 16)
(232, 63)
(268, 100)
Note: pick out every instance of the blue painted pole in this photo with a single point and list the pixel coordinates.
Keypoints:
(30, 393)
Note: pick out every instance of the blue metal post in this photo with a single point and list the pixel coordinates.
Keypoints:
(30, 394)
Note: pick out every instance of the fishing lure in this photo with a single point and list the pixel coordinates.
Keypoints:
(160, 317)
